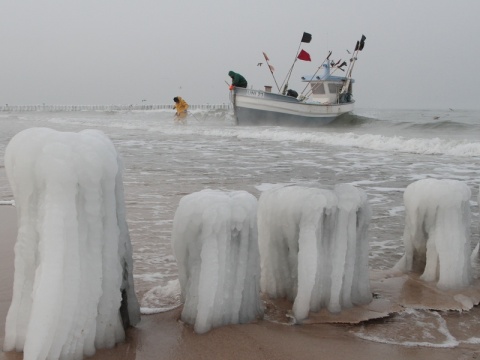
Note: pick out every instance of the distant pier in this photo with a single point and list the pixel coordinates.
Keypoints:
(48, 108)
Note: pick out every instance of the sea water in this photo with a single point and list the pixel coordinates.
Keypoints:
(380, 151)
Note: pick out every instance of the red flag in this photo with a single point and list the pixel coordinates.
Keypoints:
(266, 57)
(272, 69)
(303, 55)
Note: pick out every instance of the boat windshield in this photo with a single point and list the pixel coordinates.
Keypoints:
(318, 88)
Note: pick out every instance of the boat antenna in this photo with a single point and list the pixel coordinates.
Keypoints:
(313, 76)
(270, 67)
(358, 47)
(288, 77)
(306, 38)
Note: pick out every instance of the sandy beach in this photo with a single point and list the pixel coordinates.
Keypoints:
(163, 336)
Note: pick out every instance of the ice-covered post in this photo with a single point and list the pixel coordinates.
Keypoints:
(437, 232)
(73, 283)
(215, 243)
(314, 247)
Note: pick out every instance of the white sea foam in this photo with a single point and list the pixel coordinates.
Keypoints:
(434, 146)
(419, 145)
(431, 330)
(472, 340)
(396, 210)
(161, 298)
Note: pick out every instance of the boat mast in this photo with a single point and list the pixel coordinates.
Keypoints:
(306, 38)
(358, 47)
(270, 67)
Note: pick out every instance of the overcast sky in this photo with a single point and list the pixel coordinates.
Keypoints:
(418, 53)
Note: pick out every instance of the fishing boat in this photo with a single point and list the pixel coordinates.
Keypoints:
(324, 98)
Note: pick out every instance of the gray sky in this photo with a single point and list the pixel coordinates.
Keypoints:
(418, 53)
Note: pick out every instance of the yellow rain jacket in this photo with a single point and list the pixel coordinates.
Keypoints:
(181, 107)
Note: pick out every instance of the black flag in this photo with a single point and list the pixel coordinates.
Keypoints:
(306, 38)
(357, 46)
(362, 42)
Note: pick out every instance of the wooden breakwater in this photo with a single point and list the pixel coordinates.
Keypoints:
(144, 107)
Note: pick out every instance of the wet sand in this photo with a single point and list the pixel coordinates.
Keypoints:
(162, 336)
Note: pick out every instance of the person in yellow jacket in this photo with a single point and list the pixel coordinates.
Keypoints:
(181, 106)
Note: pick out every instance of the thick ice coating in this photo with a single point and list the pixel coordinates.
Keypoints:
(215, 243)
(437, 232)
(314, 247)
(73, 284)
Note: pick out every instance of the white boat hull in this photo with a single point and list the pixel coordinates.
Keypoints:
(256, 107)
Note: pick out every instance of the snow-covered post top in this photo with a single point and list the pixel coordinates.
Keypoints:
(215, 243)
(73, 284)
(437, 232)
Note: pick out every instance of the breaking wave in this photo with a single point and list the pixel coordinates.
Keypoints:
(433, 146)
(400, 133)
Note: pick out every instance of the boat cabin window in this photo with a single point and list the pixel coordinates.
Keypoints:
(318, 89)
(334, 88)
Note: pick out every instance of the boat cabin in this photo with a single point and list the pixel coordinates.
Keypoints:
(326, 88)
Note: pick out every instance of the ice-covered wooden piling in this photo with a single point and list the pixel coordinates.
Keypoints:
(314, 247)
(437, 232)
(215, 243)
(73, 283)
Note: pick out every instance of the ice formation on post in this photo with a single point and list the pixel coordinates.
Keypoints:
(73, 284)
(314, 247)
(215, 243)
(437, 232)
